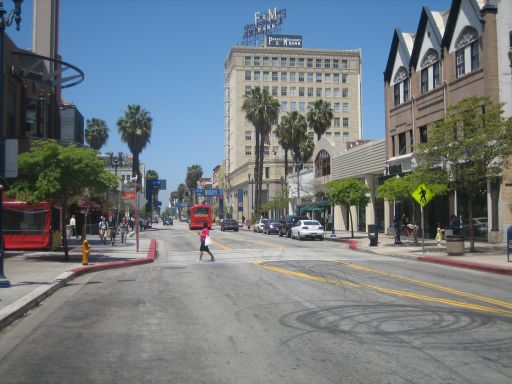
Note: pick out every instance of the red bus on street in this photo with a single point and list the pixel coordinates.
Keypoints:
(198, 214)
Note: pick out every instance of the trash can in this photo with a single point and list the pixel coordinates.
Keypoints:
(373, 234)
(455, 245)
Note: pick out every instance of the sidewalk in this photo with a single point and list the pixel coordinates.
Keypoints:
(487, 257)
(33, 276)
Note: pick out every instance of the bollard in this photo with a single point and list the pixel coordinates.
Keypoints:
(85, 253)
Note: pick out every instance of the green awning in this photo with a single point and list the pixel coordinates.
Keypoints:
(317, 206)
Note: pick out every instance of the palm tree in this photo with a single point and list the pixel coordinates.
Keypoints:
(284, 136)
(319, 117)
(96, 133)
(261, 110)
(135, 130)
(151, 175)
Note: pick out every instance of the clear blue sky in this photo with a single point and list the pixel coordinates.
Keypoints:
(168, 56)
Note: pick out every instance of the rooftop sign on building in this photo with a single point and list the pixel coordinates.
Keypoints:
(284, 41)
(264, 22)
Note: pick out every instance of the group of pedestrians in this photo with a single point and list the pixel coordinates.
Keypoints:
(104, 230)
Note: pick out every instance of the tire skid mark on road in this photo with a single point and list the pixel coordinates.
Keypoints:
(395, 292)
(426, 284)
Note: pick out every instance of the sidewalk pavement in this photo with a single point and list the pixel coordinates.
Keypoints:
(33, 276)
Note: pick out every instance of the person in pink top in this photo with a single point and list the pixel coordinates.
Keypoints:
(205, 232)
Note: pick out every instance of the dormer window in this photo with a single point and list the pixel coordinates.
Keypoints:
(401, 86)
(467, 54)
(430, 71)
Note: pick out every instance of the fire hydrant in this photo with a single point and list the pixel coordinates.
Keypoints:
(85, 253)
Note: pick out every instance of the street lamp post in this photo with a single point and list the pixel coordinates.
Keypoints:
(13, 15)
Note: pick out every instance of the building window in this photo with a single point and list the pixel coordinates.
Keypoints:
(293, 106)
(336, 107)
(393, 148)
(401, 87)
(310, 105)
(322, 164)
(327, 63)
(396, 94)
(293, 77)
(266, 89)
(293, 91)
(266, 150)
(283, 61)
(318, 77)
(319, 92)
(274, 76)
(275, 150)
(336, 122)
(344, 107)
(335, 63)
(248, 135)
(248, 90)
(467, 55)
(301, 62)
(436, 74)
(424, 80)
(247, 75)
(275, 62)
(301, 77)
(310, 92)
(274, 91)
(302, 106)
(248, 60)
(292, 61)
(344, 92)
(284, 91)
(310, 77)
(265, 61)
(402, 144)
(344, 64)
(256, 75)
(336, 78)
(405, 86)
(344, 78)
(345, 122)
(337, 136)
(248, 150)
(327, 92)
(256, 60)
(328, 135)
(430, 74)
(328, 78)
(345, 137)
(318, 63)
(423, 134)
(284, 76)
(284, 105)
(310, 63)
(336, 92)
(266, 76)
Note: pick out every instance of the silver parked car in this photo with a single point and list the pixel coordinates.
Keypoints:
(259, 225)
(308, 229)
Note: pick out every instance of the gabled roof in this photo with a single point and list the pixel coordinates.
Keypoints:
(426, 16)
(398, 39)
(477, 5)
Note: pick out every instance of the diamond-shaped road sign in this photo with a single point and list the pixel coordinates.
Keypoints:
(422, 195)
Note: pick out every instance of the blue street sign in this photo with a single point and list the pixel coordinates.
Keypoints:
(199, 191)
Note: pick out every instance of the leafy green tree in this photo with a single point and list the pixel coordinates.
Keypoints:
(55, 173)
(261, 110)
(319, 117)
(96, 133)
(135, 129)
(470, 145)
(181, 191)
(151, 175)
(194, 173)
(349, 192)
(284, 136)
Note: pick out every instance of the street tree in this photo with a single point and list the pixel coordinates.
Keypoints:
(319, 117)
(135, 129)
(60, 174)
(181, 191)
(471, 145)
(284, 137)
(349, 192)
(194, 173)
(261, 110)
(96, 133)
(152, 175)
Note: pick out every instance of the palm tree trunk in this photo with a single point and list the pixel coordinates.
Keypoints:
(255, 175)
(260, 174)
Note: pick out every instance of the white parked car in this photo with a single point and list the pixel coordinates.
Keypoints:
(259, 225)
(308, 229)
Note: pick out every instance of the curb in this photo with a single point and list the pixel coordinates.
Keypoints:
(24, 304)
(467, 265)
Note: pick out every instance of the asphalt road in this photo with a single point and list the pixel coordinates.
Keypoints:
(269, 310)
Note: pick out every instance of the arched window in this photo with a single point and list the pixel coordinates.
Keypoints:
(322, 163)
(430, 71)
(467, 54)
(401, 86)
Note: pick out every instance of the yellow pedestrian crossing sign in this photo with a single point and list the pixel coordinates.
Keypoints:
(422, 195)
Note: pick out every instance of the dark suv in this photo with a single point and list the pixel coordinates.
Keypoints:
(285, 226)
(229, 224)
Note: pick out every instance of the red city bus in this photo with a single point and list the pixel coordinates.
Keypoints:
(198, 214)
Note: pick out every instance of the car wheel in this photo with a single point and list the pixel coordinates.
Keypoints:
(289, 234)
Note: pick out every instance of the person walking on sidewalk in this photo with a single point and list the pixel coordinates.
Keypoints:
(124, 229)
(205, 234)
(103, 226)
(439, 234)
(72, 225)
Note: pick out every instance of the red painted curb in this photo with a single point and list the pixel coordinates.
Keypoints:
(150, 258)
(468, 265)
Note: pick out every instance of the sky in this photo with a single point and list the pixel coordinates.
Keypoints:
(168, 56)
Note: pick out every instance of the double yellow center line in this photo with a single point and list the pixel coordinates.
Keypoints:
(502, 311)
